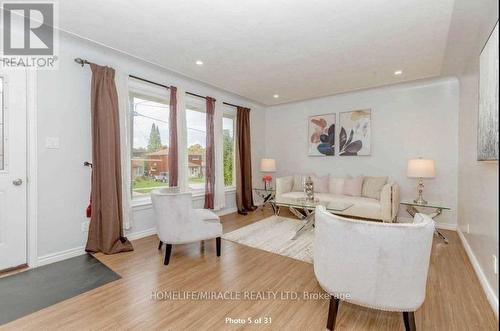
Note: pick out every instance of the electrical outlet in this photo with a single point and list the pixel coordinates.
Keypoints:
(85, 226)
(467, 228)
(495, 264)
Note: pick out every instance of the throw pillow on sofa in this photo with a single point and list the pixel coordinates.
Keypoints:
(336, 185)
(321, 184)
(298, 183)
(353, 186)
(372, 187)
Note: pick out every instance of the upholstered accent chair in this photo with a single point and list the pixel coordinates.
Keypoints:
(373, 264)
(179, 223)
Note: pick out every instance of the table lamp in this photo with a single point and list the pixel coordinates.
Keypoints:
(421, 168)
(267, 165)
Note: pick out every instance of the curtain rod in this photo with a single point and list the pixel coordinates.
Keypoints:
(83, 62)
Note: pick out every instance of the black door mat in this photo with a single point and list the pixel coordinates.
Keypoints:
(32, 290)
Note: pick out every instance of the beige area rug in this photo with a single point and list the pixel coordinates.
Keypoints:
(274, 234)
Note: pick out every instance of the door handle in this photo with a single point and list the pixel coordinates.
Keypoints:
(17, 181)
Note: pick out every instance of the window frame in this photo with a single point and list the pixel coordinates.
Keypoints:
(153, 93)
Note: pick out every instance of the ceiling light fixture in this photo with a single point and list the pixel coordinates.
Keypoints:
(276, 96)
(199, 62)
(398, 72)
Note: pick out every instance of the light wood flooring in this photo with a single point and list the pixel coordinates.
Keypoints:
(455, 300)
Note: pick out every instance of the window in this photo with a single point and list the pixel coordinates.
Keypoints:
(2, 120)
(228, 124)
(196, 142)
(150, 136)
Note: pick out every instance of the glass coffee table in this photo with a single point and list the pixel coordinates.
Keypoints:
(304, 209)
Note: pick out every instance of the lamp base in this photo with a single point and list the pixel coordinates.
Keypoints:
(420, 199)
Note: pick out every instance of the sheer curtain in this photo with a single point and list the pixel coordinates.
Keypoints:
(219, 191)
(121, 81)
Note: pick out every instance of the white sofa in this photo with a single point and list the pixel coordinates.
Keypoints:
(384, 209)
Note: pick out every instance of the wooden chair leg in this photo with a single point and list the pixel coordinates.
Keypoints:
(218, 244)
(332, 313)
(160, 244)
(168, 250)
(409, 319)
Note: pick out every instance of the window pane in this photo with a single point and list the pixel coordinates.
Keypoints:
(150, 135)
(196, 142)
(228, 138)
(2, 115)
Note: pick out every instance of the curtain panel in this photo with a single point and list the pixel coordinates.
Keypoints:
(244, 196)
(106, 223)
(173, 166)
(210, 155)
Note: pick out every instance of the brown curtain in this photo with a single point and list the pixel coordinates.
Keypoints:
(173, 166)
(106, 227)
(244, 197)
(210, 156)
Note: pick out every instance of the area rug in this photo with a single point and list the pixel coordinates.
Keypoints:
(274, 234)
(32, 290)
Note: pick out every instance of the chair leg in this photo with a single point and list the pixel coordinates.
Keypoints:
(409, 319)
(332, 313)
(218, 243)
(167, 254)
(160, 244)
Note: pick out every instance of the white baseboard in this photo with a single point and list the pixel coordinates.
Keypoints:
(59, 256)
(488, 290)
(226, 211)
(141, 234)
(444, 226)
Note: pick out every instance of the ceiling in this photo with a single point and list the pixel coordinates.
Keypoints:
(257, 48)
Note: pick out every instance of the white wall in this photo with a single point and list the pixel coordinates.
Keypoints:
(408, 121)
(478, 181)
(64, 112)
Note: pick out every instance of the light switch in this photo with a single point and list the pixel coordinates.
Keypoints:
(52, 142)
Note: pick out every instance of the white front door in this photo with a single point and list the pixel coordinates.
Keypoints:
(12, 168)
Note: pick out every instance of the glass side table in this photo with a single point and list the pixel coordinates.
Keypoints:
(412, 208)
(266, 194)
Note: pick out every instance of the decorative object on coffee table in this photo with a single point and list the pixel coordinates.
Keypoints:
(309, 189)
(321, 135)
(421, 168)
(413, 208)
(267, 165)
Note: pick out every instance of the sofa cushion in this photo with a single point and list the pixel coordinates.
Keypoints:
(336, 185)
(353, 186)
(321, 184)
(372, 186)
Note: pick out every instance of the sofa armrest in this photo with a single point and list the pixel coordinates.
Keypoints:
(283, 185)
(389, 202)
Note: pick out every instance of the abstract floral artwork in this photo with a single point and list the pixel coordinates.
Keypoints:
(321, 139)
(355, 133)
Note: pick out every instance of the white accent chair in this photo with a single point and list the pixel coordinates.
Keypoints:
(178, 222)
(372, 264)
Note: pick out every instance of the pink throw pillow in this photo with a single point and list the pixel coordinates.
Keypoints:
(321, 184)
(353, 186)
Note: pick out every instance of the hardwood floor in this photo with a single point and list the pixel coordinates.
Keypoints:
(455, 300)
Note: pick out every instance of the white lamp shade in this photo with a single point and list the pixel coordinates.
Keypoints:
(421, 168)
(268, 165)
